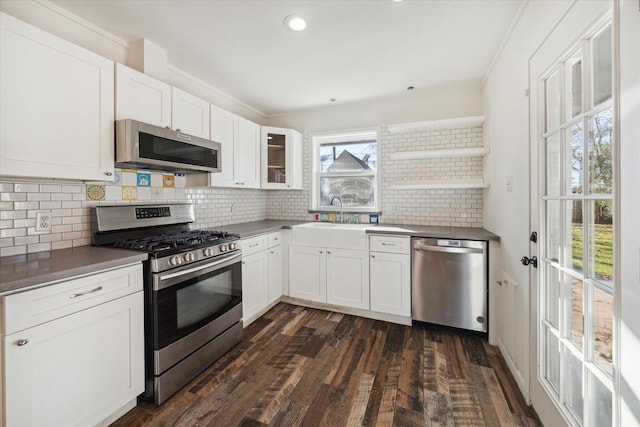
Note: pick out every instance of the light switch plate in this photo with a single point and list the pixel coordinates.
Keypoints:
(43, 221)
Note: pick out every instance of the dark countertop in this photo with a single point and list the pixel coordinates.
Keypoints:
(249, 229)
(22, 272)
(465, 233)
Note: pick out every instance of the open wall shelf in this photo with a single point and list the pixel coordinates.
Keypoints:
(455, 123)
(441, 184)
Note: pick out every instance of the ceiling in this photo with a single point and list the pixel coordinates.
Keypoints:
(351, 50)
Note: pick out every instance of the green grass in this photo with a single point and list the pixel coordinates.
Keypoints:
(602, 249)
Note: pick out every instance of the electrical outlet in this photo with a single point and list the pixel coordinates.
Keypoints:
(43, 221)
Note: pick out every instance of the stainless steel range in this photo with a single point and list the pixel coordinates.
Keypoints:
(193, 289)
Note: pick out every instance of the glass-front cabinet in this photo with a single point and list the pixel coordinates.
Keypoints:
(281, 159)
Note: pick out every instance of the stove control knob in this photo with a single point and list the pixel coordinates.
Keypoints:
(224, 248)
(207, 252)
(233, 246)
(188, 257)
(175, 260)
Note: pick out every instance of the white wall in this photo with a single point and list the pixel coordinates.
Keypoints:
(506, 106)
(439, 102)
(628, 346)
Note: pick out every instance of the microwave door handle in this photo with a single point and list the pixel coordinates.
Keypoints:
(188, 271)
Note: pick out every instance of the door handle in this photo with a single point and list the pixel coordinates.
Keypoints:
(533, 261)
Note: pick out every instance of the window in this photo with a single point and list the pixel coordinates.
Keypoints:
(345, 165)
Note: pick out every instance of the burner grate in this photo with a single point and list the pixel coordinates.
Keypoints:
(161, 242)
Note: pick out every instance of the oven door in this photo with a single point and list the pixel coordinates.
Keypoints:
(192, 305)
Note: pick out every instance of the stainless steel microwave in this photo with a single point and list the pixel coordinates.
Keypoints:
(144, 146)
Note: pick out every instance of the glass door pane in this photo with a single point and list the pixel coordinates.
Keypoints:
(603, 330)
(600, 158)
(276, 158)
(573, 85)
(574, 235)
(572, 385)
(574, 159)
(552, 97)
(602, 64)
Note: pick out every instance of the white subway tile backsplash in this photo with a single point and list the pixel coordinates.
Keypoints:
(26, 188)
(13, 197)
(13, 250)
(73, 219)
(38, 196)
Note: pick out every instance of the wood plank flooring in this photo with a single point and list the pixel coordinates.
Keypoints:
(298, 366)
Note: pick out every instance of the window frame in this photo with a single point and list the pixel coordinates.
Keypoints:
(343, 136)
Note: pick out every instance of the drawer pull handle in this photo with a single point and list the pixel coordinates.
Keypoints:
(254, 245)
(99, 288)
(388, 244)
(22, 342)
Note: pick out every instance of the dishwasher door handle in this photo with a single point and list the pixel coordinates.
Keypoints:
(446, 249)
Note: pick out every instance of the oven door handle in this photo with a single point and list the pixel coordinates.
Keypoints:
(211, 266)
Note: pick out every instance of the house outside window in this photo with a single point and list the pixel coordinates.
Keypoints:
(345, 165)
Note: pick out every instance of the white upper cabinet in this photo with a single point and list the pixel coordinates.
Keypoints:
(240, 139)
(189, 114)
(56, 106)
(281, 159)
(247, 164)
(143, 98)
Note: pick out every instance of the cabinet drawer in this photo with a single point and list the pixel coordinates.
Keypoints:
(254, 244)
(390, 244)
(26, 309)
(275, 239)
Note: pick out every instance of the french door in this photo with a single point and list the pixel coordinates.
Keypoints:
(572, 145)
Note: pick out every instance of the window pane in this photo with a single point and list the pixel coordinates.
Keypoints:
(552, 99)
(348, 157)
(554, 236)
(601, 241)
(600, 160)
(603, 330)
(552, 163)
(573, 85)
(552, 297)
(602, 404)
(602, 60)
(573, 235)
(576, 313)
(355, 191)
(572, 383)
(574, 158)
(552, 360)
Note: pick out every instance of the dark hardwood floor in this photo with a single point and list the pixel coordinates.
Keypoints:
(298, 366)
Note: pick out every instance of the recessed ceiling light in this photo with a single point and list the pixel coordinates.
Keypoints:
(295, 23)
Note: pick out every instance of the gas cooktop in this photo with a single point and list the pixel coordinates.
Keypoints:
(174, 240)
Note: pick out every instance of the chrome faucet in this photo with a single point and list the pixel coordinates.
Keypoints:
(340, 200)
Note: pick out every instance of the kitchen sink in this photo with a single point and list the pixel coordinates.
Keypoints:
(331, 235)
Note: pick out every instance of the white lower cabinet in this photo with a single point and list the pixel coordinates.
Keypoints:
(276, 280)
(262, 275)
(390, 275)
(308, 273)
(79, 369)
(348, 278)
(334, 276)
(255, 290)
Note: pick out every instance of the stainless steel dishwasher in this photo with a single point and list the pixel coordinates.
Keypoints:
(449, 282)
